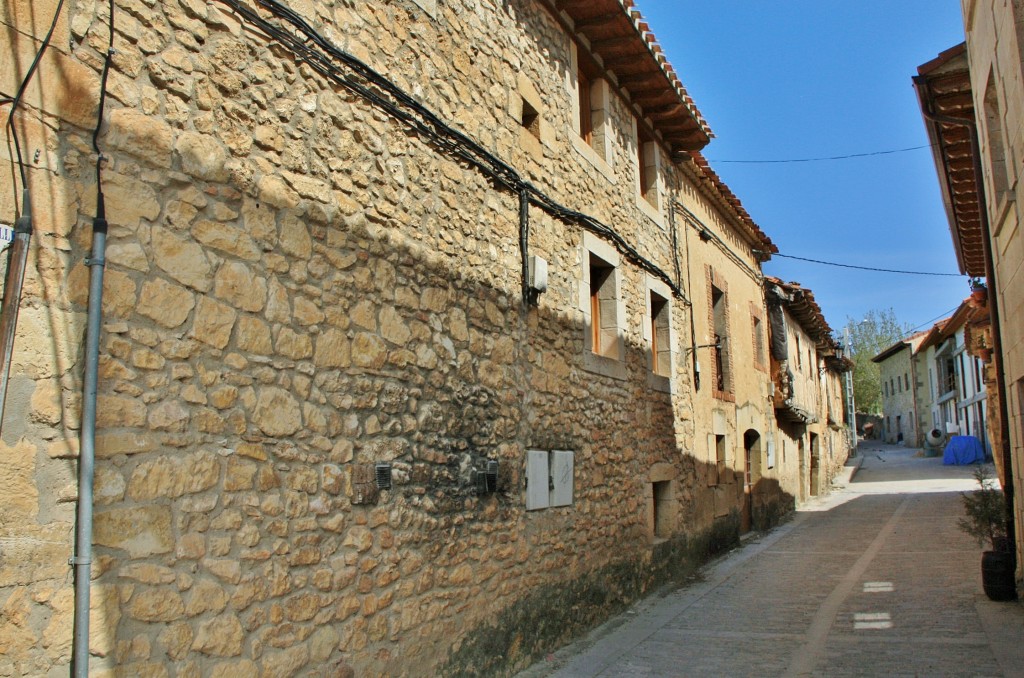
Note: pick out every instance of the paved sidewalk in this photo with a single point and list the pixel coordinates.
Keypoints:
(873, 579)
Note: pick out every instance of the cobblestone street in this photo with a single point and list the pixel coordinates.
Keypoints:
(874, 579)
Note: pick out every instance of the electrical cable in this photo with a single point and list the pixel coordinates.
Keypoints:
(833, 157)
(864, 268)
(929, 322)
(100, 206)
(315, 51)
(21, 91)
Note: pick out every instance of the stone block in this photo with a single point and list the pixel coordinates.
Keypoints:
(141, 531)
(146, 137)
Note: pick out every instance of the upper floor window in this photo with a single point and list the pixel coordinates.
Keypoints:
(994, 138)
(601, 303)
(757, 328)
(647, 166)
(660, 344)
(584, 110)
(658, 334)
(719, 322)
(590, 121)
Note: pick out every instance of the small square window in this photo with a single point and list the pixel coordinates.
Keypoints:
(531, 120)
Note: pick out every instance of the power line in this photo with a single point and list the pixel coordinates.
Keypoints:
(864, 268)
(833, 157)
(929, 322)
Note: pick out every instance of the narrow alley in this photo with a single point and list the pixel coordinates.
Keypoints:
(873, 579)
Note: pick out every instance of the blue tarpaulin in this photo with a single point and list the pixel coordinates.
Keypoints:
(963, 450)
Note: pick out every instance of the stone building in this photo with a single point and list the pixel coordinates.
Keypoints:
(973, 105)
(952, 381)
(812, 438)
(395, 359)
(898, 376)
(727, 354)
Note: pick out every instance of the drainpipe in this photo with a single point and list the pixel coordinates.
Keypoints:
(86, 459)
(997, 338)
(12, 293)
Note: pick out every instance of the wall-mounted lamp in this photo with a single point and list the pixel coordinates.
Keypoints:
(705, 234)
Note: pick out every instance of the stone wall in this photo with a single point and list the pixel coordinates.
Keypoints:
(994, 44)
(297, 288)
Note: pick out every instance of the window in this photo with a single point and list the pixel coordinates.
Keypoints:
(719, 322)
(906, 380)
(799, 352)
(602, 300)
(757, 329)
(530, 120)
(590, 96)
(585, 119)
(662, 508)
(885, 389)
(660, 330)
(647, 166)
(716, 474)
(602, 308)
(947, 376)
(528, 110)
(994, 137)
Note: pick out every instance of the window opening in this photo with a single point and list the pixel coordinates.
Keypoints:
(723, 381)
(662, 506)
(720, 460)
(647, 167)
(583, 92)
(602, 305)
(660, 344)
(759, 357)
(531, 119)
(994, 134)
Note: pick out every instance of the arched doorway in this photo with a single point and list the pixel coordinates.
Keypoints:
(751, 474)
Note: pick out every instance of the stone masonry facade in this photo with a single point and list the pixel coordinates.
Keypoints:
(300, 288)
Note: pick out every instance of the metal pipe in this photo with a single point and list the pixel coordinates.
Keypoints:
(82, 560)
(13, 284)
(997, 335)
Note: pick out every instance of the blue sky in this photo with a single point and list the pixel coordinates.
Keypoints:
(818, 78)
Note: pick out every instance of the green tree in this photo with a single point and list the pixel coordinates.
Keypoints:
(868, 337)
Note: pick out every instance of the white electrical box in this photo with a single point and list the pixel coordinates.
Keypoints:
(549, 478)
(538, 273)
(537, 493)
(561, 478)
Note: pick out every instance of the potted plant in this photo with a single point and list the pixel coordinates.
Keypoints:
(983, 350)
(985, 520)
(979, 291)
